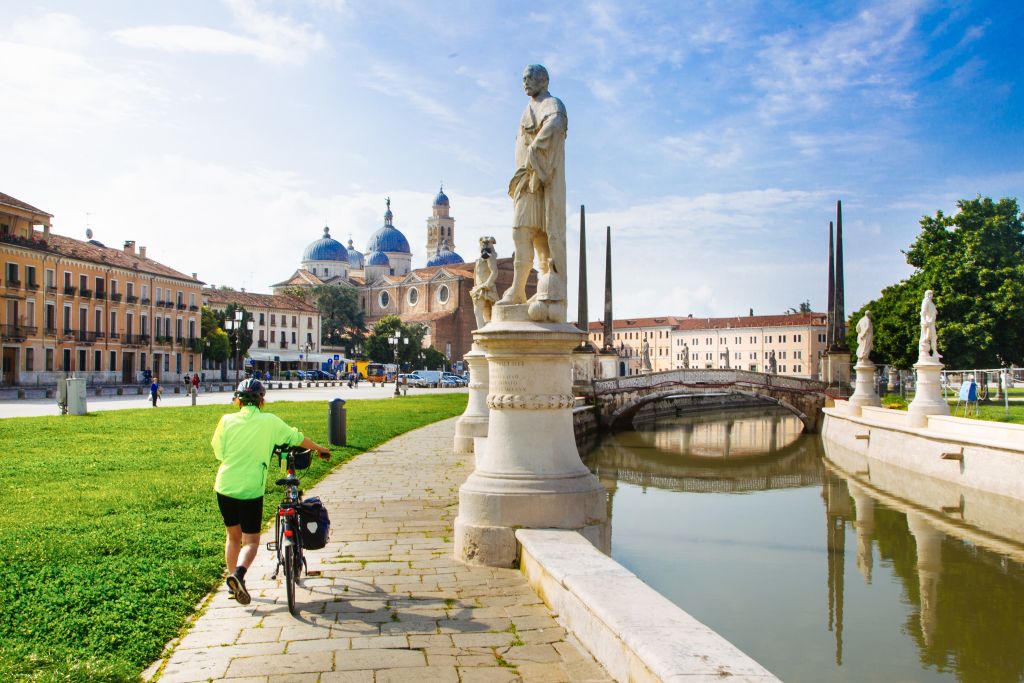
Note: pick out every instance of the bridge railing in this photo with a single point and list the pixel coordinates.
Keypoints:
(697, 376)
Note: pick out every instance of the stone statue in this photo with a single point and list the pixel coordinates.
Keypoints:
(686, 356)
(929, 338)
(538, 194)
(484, 292)
(773, 366)
(865, 338)
(645, 352)
(726, 354)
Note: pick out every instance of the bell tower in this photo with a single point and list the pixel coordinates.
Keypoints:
(440, 226)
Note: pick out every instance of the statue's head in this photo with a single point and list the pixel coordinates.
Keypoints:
(928, 294)
(867, 314)
(487, 247)
(535, 79)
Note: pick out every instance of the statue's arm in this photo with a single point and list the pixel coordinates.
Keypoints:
(552, 129)
(492, 275)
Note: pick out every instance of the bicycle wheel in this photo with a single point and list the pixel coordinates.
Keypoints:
(289, 576)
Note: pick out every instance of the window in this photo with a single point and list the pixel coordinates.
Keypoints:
(51, 318)
(113, 360)
(159, 297)
(443, 294)
(798, 354)
(130, 289)
(782, 354)
(145, 292)
(768, 339)
(82, 357)
(821, 338)
(49, 360)
(295, 321)
(782, 339)
(101, 286)
(67, 280)
(798, 337)
(98, 320)
(12, 274)
(309, 323)
(51, 278)
(293, 337)
(384, 299)
(273, 318)
(192, 299)
(273, 336)
(30, 277)
(97, 360)
(753, 340)
(262, 320)
(30, 357)
(66, 360)
(412, 296)
(113, 324)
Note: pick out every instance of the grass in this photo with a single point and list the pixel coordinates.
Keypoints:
(111, 531)
(991, 410)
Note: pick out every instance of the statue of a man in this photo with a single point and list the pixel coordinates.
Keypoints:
(484, 292)
(865, 338)
(645, 352)
(773, 366)
(929, 338)
(686, 356)
(538, 194)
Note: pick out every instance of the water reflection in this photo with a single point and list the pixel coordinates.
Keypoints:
(941, 569)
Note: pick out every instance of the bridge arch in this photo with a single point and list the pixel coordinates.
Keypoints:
(622, 417)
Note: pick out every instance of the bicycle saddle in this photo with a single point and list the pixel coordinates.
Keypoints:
(287, 481)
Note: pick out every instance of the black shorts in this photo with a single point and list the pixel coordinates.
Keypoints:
(248, 513)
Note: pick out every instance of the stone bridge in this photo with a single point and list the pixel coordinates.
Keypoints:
(618, 399)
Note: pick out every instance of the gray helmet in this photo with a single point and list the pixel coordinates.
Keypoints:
(250, 391)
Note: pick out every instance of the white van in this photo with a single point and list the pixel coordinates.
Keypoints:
(431, 377)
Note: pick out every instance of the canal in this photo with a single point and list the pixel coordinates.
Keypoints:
(820, 566)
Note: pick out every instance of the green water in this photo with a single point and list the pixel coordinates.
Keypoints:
(747, 525)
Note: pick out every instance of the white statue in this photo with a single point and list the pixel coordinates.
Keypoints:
(929, 338)
(865, 338)
(538, 193)
(645, 352)
(686, 355)
(485, 275)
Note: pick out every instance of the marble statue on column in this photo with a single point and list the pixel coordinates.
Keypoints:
(485, 274)
(928, 398)
(645, 353)
(686, 356)
(537, 189)
(865, 338)
(929, 339)
(773, 366)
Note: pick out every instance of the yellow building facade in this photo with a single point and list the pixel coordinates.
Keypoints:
(105, 314)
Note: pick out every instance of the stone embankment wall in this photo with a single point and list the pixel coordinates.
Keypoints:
(978, 454)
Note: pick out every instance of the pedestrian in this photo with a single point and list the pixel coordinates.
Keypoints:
(243, 442)
(155, 391)
(195, 384)
(187, 381)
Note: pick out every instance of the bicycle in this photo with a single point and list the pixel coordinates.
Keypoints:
(287, 524)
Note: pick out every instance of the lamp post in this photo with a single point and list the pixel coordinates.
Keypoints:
(235, 327)
(397, 340)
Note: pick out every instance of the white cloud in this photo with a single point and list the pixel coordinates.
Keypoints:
(273, 38)
(721, 149)
(53, 30)
(394, 81)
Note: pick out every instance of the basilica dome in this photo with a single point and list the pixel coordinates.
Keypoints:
(355, 258)
(388, 238)
(445, 256)
(325, 249)
(377, 258)
(441, 199)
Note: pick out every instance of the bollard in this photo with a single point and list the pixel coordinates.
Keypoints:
(336, 427)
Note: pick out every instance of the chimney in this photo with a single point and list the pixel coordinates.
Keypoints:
(195, 276)
(142, 252)
(129, 247)
(751, 312)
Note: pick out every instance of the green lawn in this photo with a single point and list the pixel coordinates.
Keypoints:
(992, 410)
(111, 531)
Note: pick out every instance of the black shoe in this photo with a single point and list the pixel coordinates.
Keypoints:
(237, 586)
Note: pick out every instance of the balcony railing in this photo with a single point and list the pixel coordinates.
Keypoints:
(13, 284)
(181, 306)
(261, 344)
(284, 345)
(85, 337)
(50, 289)
(193, 307)
(132, 299)
(69, 333)
(114, 335)
(32, 284)
(116, 297)
(163, 340)
(143, 339)
(16, 332)
(100, 294)
(180, 341)
(70, 291)
(87, 293)
(50, 331)
(145, 301)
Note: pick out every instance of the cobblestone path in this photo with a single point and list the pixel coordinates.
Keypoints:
(391, 603)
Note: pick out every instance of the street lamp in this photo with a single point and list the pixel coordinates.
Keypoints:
(397, 342)
(235, 327)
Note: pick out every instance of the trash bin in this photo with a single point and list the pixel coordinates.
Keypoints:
(336, 428)
(76, 396)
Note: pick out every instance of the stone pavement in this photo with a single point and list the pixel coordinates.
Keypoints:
(391, 604)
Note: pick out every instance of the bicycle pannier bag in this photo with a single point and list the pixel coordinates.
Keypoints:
(314, 524)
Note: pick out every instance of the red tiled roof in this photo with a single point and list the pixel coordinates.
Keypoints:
(253, 300)
(735, 322)
(8, 200)
(72, 248)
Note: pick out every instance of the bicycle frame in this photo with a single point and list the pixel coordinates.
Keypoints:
(287, 537)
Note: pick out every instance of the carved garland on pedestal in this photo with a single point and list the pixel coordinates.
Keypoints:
(530, 402)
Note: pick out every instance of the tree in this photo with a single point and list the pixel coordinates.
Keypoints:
(341, 316)
(217, 345)
(973, 261)
(380, 350)
(243, 334)
(434, 359)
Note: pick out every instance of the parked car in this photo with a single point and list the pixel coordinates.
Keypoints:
(413, 379)
(323, 374)
(431, 377)
(459, 381)
(301, 374)
(449, 382)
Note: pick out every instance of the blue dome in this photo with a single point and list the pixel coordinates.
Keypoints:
(325, 249)
(388, 237)
(355, 258)
(441, 199)
(445, 256)
(378, 258)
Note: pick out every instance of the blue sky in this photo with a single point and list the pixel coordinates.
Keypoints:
(713, 137)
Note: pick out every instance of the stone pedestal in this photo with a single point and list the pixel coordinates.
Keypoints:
(583, 361)
(864, 393)
(894, 379)
(529, 474)
(928, 399)
(608, 364)
(473, 422)
(837, 368)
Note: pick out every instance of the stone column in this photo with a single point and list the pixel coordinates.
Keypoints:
(530, 474)
(865, 506)
(864, 393)
(473, 422)
(928, 399)
(929, 569)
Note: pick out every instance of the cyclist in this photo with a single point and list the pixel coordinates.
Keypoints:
(244, 442)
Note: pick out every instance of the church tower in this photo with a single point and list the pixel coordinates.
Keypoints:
(440, 226)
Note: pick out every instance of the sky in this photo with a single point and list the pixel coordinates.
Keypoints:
(713, 137)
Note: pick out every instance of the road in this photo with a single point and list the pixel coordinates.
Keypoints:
(48, 406)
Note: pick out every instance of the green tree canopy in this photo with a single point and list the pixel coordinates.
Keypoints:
(341, 316)
(974, 263)
(216, 345)
(243, 334)
(380, 350)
